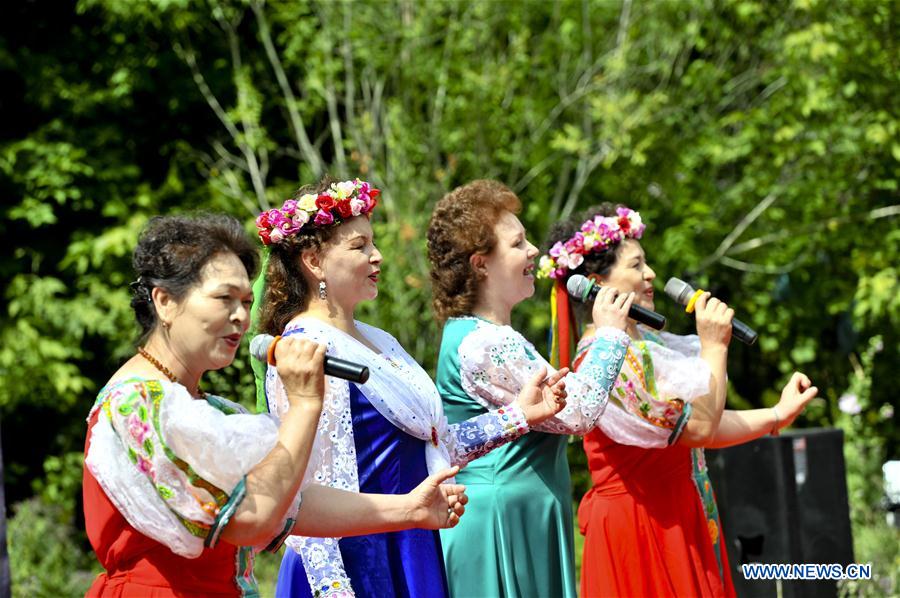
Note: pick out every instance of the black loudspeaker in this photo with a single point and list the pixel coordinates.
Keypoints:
(783, 499)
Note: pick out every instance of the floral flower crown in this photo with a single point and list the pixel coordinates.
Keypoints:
(331, 207)
(596, 235)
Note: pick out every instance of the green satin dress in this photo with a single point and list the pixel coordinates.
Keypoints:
(516, 538)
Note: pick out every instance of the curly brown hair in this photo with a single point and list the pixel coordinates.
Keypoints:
(171, 252)
(287, 292)
(462, 225)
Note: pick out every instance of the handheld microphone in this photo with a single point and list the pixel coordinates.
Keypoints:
(263, 344)
(584, 289)
(684, 294)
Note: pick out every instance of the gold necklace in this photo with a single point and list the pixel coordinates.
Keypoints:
(168, 373)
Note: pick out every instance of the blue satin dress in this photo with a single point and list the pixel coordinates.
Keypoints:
(401, 564)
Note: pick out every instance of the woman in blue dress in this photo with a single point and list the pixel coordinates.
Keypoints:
(386, 434)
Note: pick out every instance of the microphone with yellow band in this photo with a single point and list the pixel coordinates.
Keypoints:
(684, 294)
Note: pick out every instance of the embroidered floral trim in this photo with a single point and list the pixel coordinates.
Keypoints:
(138, 410)
(635, 389)
(220, 498)
(278, 541)
(479, 435)
(244, 579)
(226, 513)
(707, 498)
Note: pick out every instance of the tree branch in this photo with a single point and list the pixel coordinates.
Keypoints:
(188, 56)
(737, 231)
(760, 268)
(310, 154)
(251, 129)
(885, 212)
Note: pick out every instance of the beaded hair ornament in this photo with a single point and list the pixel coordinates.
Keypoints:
(597, 234)
(329, 208)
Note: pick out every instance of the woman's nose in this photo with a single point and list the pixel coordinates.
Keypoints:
(241, 315)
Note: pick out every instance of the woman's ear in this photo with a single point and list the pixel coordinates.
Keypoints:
(311, 262)
(165, 305)
(478, 263)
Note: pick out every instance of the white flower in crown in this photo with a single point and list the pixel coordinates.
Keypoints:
(307, 202)
(635, 219)
(277, 235)
(344, 189)
(546, 265)
(591, 239)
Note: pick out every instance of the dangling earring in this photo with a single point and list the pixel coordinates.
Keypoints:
(323, 292)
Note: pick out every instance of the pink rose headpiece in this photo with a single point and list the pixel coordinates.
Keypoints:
(329, 208)
(596, 235)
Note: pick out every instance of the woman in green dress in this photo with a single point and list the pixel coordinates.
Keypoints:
(517, 538)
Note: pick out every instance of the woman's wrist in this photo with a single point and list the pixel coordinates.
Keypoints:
(305, 403)
(713, 346)
(413, 514)
(776, 425)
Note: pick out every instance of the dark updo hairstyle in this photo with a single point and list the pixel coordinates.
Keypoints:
(287, 292)
(594, 263)
(462, 225)
(171, 252)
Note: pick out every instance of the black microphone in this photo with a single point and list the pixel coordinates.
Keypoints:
(339, 368)
(584, 289)
(682, 293)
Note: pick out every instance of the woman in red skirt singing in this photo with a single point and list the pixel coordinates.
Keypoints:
(650, 521)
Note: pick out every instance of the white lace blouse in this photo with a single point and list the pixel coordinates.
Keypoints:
(495, 361)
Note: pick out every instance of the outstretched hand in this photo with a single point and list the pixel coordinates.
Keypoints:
(795, 396)
(436, 505)
(543, 397)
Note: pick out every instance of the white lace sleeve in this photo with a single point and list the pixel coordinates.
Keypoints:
(479, 435)
(332, 463)
(496, 361)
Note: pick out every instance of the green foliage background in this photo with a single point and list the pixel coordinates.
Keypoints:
(759, 140)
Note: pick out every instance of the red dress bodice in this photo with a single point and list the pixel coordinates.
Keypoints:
(136, 565)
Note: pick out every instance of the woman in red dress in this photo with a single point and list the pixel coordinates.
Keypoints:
(181, 487)
(650, 521)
